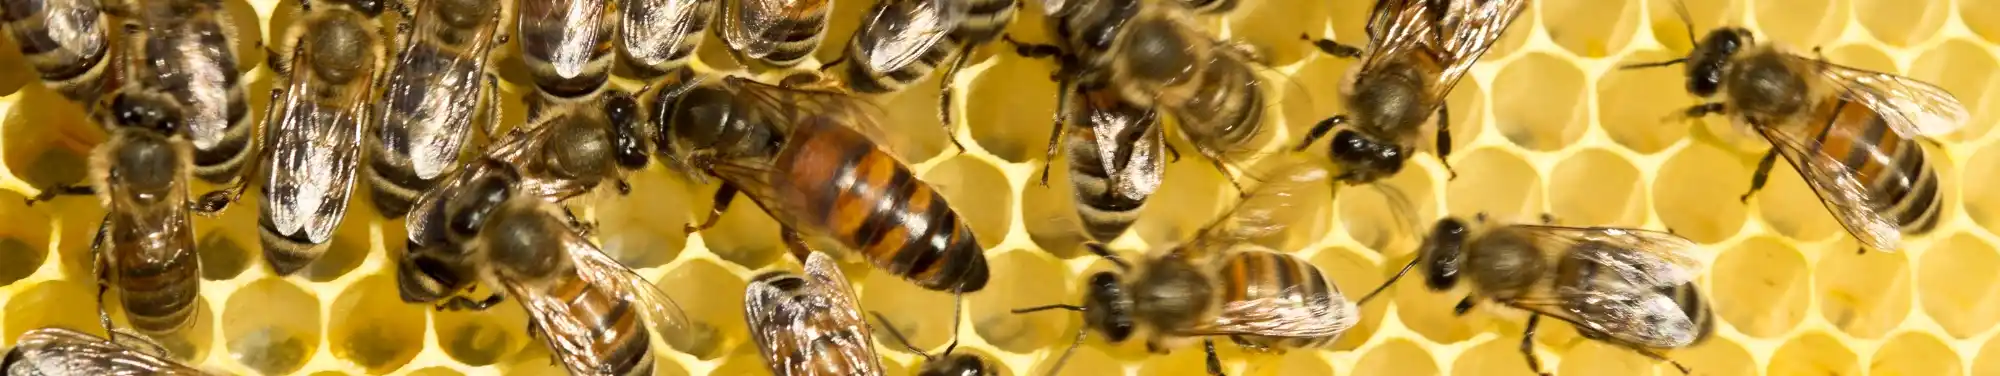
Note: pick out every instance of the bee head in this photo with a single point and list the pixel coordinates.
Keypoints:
(471, 207)
(956, 365)
(155, 112)
(1363, 159)
(1706, 63)
(628, 132)
(1440, 253)
(1108, 309)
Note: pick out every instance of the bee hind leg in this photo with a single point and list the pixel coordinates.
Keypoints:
(1528, 344)
(1444, 140)
(103, 272)
(795, 243)
(1464, 305)
(945, 99)
(1330, 47)
(51, 193)
(723, 196)
(1319, 130)
(1763, 175)
(1214, 362)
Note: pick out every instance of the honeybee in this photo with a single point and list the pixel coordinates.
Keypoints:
(1153, 55)
(570, 151)
(145, 247)
(811, 324)
(187, 49)
(1210, 6)
(56, 351)
(1627, 287)
(424, 116)
(1221, 284)
(567, 45)
(812, 158)
(1115, 162)
(946, 363)
(780, 33)
(68, 42)
(332, 56)
(593, 313)
(1417, 51)
(1851, 133)
(901, 41)
(658, 36)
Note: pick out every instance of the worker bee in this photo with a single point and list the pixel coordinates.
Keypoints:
(425, 116)
(1852, 134)
(1627, 287)
(593, 313)
(570, 151)
(1417, 51)
(187, 49)
(1153, 55)
(67, 42)
(946, 363)
(812, 158)
(780, 33)
(1220, 283)
(658, 36)
(332, 57)
(56, 351)
(1115, 162)
(145, 246)
(567, 45)
(902, 41)
(811, 324)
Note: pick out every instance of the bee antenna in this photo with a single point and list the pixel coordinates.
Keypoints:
(899, 335)
(1386, 284)
(1099, 250)
(1066, 307)
(957, 307)
(1681, 8)
(1652, 64)
(1081, 333)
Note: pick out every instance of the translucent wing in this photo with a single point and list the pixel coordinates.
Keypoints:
(432, 93)
(755, 27)
(1268, 209)
(1645, 318)
(574, 334)
(810, 325)
(1838, 185)
(1912, 108)
(898, 32)
(564, 31)
(59, 351)
(528, 155)
(663, 316)
(1454, 34)
(314, 145)
(1615, 283)
(1129, 142)
(654, 30)
(1312, 309)
(788, 107)
(1650, 258)
(186, 52)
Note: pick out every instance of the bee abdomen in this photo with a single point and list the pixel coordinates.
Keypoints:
(1228, 105)
(860, 79)
(1105, 213)
(876, 206)
(1262, 274)
(76, 70)
(392, 184)
(984, 21)
(224, 161)
(799, 38)
(286, 253)
(620, 336)
(159, 297)
(1691, 303)
(1895, 170)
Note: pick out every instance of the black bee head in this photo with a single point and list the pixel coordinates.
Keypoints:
(1363, 159)
(1440, 253)
(153, 112)
(1711, 56)
(629, 136)
(1108, 309)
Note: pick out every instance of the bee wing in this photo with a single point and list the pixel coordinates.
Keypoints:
(1651, 258)
(1130, 142)
(424, 96)
(313, 150)
(1622, 289)
(1910, 107)
(814, 328)
(663, 315)
(181, 48)
(574, 35)
(1838, 186)
(898, 32)
(1647, 318)
(1454, 33)
(59, 351)
(653, 29)
(1281, 316)
(1270, 206)
(802, 106)
(752, 27)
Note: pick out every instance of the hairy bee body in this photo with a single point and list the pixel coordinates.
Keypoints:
(1252, 275)
(982, 23)
(187, 48)
(424, 123)
(658, 36)
(1116, 158)
(67, 42)
(58, 351)
(567, 45)
(780, 33)
(146, 244)
(811, 323)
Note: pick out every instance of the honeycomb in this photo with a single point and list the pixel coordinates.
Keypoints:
(1545, 124)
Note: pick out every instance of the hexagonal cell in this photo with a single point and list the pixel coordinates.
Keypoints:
(1982, 174)
(1760, 287)
(1429, 313)
(1863, 294)
(50, 304)
(1083, 361)
(1011, 106)
(435, 371)
(1500, 356)
(969, 184)
(1597, 187)
(1915, 353)
(924, 317)
(1373, 215)
(1354, 276)
(1696, 193)
(1496, 182)
(1813, 354)
(1275, 27)
(375, 329)
(1187, 360)
(1538, 102)
(1196, 194)
(745, 235)
(1633, 105)
(1591, 28)
(1801, 22)
(718, 318)
(1292, 363)
(1901, 23)
(271, 326)
(1021, 278)
(1716, 356)
(1397, 357)
(1515, 36)
(1791, 207)
(1982, 16)
(221, 257)
(481, 338)
(1049, 212)
(1671, 31)
(1964, 68)
(1958, 279)
(51, 144)
(24, 241)
(350, 245)
(1599, 358)
(914, 112)
(641, 229)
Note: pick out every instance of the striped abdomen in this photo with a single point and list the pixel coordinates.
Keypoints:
(984, 21)
(890, 17)
(798, 37)
(1899, 179)
(1262, 274)
(1223, 111)
(416, 130)
(875, 205)
(158, 281)
(620, 338)
(1210, 6)
(196, 62)
(66, 41)
(647, 23)
(567, 61)
(1689, 298)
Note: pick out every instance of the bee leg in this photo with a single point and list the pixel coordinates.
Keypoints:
(1528, 344)
(1704, 109)
(457, 303)
(830, 63)
(1331, 47)
(1231, 176)
(103, 271)
(945, 99)
(61, 190)
(1033, 50)
(1548, 219)
(581, 227)
(1320, 130)
(1099, 250)
(1763, 175)
(796, 243)
(1463, 306)
(1214, 362)
(1056, 131)
(723, 196)
(1244, 343)
(1444, 140)
(492, 99)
